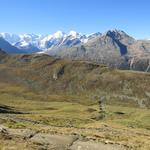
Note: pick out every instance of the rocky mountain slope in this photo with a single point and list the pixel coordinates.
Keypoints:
(114, 48)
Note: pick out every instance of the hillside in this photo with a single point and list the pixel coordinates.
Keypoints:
(45, 74)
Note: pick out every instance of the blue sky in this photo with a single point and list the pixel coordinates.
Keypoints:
(85, 16)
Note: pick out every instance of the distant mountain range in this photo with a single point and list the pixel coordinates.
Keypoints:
(32, 42)
(114, 47)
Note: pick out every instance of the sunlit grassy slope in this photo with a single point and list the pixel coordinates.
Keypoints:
(68, 115)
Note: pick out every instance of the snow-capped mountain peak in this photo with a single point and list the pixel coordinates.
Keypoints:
(59, 35)
(74, 34)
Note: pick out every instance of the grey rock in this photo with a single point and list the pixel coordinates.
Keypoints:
(79, 145)
(58, 142)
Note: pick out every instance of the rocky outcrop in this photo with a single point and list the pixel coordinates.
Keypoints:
(34, 140)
